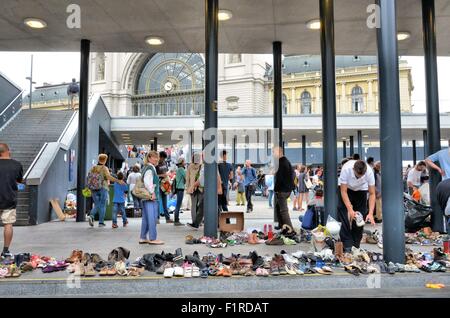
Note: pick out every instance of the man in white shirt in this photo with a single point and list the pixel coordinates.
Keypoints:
(414, 176)
(355, 181)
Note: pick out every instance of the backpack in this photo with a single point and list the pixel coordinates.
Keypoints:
(95, 180)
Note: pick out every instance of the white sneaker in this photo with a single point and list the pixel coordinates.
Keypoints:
(298, 254)
(168, 272)
(359, 219)
(188, 271)
(195, 271)
(91, 220)
(289, 259)
(178, 271)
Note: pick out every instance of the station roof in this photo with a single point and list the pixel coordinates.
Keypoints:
(122, 26)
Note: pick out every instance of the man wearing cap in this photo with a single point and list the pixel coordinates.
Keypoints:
(11, 173)
(355, 181)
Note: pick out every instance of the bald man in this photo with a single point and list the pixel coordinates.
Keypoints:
(11, 173)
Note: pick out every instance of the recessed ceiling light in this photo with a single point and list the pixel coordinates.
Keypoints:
(313, 24)
(225, 15)
(366, 136)
(160, 134)
(403, 35)
(294, 139)
(319, 131)
(154, 40)
(35, 23)
(344, 138)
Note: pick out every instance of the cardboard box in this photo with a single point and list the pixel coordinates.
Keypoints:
(236, 222)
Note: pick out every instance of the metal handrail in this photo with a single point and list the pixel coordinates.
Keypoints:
(35, 160)
(67, 126)
(10, 104)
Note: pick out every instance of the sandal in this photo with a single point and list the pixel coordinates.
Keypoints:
(112, 271)
(89, 270)
(104, 271)
(134, 271)
(121, 268)
(13, 272)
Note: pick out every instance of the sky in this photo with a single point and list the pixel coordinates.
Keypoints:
(55, 68)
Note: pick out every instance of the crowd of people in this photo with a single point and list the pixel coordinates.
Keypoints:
(163, 175)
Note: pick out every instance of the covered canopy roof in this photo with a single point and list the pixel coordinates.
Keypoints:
(122, 26)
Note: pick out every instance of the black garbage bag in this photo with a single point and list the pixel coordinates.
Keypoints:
(416, 214)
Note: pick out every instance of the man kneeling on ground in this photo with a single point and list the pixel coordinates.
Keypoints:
(355, 180)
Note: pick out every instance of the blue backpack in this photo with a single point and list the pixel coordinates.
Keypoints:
(309, 220)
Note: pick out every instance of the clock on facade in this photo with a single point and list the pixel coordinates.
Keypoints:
(168, 86)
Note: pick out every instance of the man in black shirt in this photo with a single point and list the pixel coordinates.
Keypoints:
(226, 174)
(11, 173)
(284, 184)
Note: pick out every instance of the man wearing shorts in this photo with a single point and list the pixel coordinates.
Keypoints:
(11, 173)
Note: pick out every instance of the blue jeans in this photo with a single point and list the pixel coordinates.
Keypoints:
(149, 218)
(163, 205)
(116, 208)
(270, 198)
(99, 198)
(137, 203)
(180, 195)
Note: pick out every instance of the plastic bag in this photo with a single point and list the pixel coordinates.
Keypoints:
(334, 227)
(319, 234)
(416, 215)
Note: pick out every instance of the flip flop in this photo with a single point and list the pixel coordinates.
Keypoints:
(156, 242)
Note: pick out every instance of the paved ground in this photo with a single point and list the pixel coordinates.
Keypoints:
(58, 239)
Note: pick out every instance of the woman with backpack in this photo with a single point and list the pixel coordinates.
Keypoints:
(98, 182)
(150, 213)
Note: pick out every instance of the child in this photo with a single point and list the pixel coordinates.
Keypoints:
(120, 194)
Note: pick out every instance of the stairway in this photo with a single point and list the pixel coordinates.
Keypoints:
(26, 135)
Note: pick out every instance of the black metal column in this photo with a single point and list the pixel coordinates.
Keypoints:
(234, 151)
(414, 151)
(390, 134)
(360, 145)
(329, 105)
(191, 146)
(277, 95)
(82, 129)
(425, 144)
(211, 87)
(304, 150)
(352, 146)
(433, 120)
(344, 149)
(155, 144)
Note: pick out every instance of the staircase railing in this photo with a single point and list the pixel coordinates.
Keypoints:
(10, 111)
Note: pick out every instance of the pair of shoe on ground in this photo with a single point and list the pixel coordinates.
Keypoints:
(187, 271)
